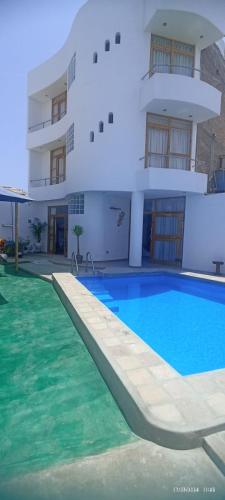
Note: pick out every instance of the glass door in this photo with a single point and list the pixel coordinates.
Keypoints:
(58, 166)
(167, 237)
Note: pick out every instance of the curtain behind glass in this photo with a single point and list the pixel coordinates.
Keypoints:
(182, 65)
(179, 143)
(157, 143)
(161, 62)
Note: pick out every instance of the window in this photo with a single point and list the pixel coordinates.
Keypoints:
(95, 58)
(70, 139)
(168, 142)
(118, 38)
(76, 204)
(71, 71)
(59, 105)
(107, 45)
(110, 118)
(57, 166)
(170, 56)
(101, 127)
(92, 136)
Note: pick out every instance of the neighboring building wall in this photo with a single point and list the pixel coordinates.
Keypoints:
(211, 134)
(204, 232)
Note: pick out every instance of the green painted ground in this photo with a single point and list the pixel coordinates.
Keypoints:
(54, 404)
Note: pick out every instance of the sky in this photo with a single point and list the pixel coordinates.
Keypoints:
(31, 31)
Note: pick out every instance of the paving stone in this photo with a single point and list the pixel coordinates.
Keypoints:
(217, 403)
(128, 362)
(140, 376)
(163, 372)
(153, 394)
(167, 413)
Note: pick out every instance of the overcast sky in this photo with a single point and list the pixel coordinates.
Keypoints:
(31, 31)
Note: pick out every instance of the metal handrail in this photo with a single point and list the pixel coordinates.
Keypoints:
(74, 262)
(48, 181)
(193, 162)
(46, 123)
(155, 67)
(88, 254)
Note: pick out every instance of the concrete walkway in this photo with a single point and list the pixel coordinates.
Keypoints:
(140, 471)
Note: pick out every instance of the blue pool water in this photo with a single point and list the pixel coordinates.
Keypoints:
(182, 319)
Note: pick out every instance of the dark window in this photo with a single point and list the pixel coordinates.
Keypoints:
(118, 38)
(107, 45)
(92, 136)
(95, 58)
(110, 118)
(101, 127)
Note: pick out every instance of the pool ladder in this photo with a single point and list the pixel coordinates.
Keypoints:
(89, 260)
(74, 263)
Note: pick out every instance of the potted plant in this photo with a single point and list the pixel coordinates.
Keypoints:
(37, 228)
(78, 231)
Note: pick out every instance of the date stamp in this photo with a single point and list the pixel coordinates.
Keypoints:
(194, 490)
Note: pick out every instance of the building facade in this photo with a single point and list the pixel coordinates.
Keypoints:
(113, 122)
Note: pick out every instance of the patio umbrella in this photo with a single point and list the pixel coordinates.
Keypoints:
(11, 195)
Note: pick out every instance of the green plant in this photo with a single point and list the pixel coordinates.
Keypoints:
(37, 228)
(78, 231)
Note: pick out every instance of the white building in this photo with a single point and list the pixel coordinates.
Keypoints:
(112, 123)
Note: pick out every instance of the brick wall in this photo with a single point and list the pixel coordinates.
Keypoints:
(211, 134)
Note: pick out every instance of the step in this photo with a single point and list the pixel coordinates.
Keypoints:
(214, 446)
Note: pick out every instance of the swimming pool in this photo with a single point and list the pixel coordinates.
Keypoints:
(181, 318)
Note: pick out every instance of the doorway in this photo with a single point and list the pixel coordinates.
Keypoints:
(57, 230)
(167, 238)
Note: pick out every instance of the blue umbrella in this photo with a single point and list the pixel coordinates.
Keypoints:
(9, 195)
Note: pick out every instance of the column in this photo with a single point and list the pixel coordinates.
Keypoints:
(193, 146)
(136, 229)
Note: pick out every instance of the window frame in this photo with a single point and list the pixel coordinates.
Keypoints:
(171, 50)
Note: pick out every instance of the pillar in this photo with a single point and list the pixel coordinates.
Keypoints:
(193, 146)
(136, 229)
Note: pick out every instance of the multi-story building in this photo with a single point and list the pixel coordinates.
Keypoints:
(112, 127)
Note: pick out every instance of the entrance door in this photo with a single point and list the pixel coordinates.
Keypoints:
(167, 237)
(57, 230)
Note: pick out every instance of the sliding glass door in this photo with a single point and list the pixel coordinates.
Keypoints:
(168, 142)
(171, 56)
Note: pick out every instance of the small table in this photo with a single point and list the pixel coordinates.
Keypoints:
(218, 263)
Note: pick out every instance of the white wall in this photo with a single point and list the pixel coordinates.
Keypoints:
(204, 232)
(102, 237)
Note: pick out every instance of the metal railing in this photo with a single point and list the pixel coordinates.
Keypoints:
(74, 263)
(173, 161)
(46, 123)
(89, 259)
(48, 181)
(179, 69)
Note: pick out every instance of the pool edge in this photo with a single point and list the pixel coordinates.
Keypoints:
(95, 324)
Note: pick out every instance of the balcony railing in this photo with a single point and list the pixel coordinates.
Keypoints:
(47, 123)
(173, 161)
(48, 181)
(178, 69)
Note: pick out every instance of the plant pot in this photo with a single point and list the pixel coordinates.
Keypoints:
(79, 258)
(38, 247)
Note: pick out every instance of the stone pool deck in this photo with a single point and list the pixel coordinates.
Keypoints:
(159, 404)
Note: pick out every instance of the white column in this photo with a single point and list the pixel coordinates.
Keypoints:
(197, 74)
(193, 146)
(136, 229)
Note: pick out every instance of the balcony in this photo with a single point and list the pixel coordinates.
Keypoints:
(47, 123)
(200, 23)
(168, 90)
(48, 188)
(172, 175)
